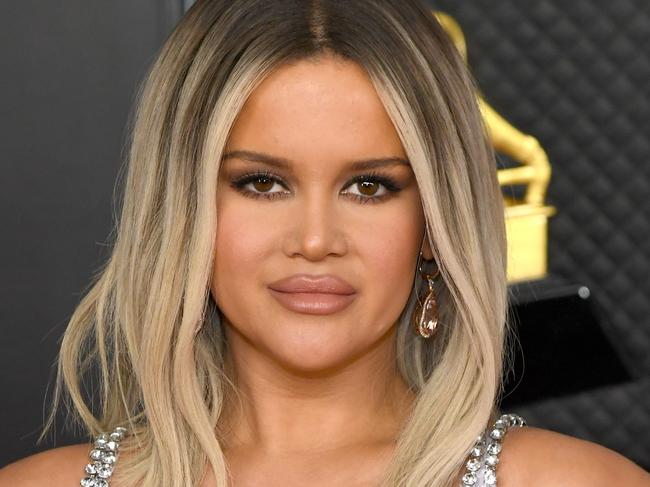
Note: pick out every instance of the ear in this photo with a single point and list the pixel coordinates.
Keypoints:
(427, 254)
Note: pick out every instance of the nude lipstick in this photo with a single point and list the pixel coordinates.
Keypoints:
(313, 294)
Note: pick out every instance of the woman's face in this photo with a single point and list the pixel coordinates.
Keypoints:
(310, 216)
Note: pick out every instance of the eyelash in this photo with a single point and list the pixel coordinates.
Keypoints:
(249, 177)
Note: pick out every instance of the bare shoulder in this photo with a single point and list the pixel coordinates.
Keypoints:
(62, 466)
(539, 457)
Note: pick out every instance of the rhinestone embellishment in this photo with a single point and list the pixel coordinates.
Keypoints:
(103, 457)
(484, 456)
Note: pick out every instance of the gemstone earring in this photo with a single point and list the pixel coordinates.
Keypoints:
(426, 315)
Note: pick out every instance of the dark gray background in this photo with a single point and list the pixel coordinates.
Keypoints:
(69, 74)
(574, 74)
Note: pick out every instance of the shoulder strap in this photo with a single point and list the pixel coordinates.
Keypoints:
(102, 458)
(480, 469)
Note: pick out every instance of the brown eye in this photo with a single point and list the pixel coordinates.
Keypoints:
(373, 188)
(263, 184)
(260, 185)
(369, 185)
(368, 188)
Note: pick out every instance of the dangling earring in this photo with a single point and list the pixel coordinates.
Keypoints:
(426, 315)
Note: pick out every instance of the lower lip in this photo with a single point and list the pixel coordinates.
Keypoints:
(313, 303)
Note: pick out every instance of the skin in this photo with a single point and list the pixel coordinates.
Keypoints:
(315, 384)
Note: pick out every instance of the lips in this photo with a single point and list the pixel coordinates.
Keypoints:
(319, 295)
(305, 283)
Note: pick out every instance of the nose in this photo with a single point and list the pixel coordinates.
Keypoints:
(316, 227)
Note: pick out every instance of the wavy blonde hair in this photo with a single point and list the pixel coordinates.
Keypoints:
(136, 322)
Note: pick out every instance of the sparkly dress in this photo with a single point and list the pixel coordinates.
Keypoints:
(481, 466)
(480, 469)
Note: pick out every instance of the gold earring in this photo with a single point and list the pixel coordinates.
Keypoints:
(426, 315)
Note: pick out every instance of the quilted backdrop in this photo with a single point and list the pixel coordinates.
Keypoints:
(575, 75)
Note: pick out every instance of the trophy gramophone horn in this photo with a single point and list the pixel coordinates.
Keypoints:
(526, 218)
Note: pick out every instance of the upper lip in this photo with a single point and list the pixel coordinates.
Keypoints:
(309, 283)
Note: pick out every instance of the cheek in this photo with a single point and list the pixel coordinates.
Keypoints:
(243, 243)
(392, 239)
(390, 257)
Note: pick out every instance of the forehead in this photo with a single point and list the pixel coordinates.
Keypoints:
(316, 111)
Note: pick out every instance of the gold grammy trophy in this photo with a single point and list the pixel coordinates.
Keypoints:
(526, 218)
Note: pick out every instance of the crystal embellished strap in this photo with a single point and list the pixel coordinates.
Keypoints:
(103, 457)
(484, 456)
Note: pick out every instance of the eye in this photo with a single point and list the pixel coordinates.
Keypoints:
(262, 182)
(369, 185)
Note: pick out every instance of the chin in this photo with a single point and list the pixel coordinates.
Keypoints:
(313, 355)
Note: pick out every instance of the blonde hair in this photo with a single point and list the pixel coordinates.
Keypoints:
(136, 322)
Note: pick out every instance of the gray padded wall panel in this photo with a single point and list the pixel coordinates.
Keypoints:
(576, 76)
(69, 73)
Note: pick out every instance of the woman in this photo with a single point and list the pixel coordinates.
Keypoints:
(308, 283)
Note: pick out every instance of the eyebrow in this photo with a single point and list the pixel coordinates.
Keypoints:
(284, 163)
